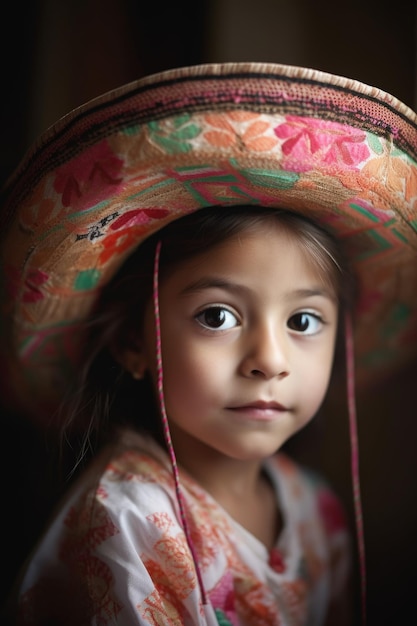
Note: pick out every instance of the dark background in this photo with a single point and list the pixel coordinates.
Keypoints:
(57, 54)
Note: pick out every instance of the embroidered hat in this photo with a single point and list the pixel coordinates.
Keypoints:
(115, 170)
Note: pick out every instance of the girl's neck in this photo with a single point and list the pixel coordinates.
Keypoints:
(241, 488)
(245, 492)
(223, 477)
(214, 471)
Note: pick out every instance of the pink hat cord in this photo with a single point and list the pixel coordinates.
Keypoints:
(167, 434)
(353, 433)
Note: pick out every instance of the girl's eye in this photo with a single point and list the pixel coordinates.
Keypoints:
(305, 323)
(217, 318)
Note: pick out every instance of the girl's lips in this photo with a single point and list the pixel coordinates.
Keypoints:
(261, 404)
(260, 410)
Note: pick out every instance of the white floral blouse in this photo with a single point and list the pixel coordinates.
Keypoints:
(116, 553)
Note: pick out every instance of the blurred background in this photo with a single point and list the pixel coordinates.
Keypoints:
(55, 55)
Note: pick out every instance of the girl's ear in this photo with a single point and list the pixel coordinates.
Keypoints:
(132, 359)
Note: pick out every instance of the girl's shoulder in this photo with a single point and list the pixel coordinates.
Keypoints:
(137, 457)
(133, 473)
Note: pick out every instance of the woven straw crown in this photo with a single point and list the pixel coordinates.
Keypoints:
(119, 168)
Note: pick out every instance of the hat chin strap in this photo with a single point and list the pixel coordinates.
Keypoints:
(353, 431)
(165, 424)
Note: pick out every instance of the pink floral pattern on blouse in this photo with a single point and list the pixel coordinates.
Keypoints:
(116, 553)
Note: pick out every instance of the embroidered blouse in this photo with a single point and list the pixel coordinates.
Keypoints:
(116, 552)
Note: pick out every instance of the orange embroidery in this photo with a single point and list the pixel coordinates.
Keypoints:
(230, 131)
(158, 612)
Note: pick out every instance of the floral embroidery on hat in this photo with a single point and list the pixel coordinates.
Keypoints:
(89, 178)
(308, 142)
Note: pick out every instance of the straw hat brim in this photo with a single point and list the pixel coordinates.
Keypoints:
(117, 169)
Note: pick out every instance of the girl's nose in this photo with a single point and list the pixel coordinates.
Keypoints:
(266, 353)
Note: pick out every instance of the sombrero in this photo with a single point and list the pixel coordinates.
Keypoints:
(115, 170)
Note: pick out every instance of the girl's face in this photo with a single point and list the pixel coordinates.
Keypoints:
(248, 333)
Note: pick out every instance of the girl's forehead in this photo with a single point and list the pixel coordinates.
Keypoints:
(264, 252)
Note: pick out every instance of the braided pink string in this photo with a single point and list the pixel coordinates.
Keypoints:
(350, 374)
(167, 434)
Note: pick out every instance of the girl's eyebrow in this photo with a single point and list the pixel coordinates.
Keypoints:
(321, 291)
(208, 282)
(213, 282)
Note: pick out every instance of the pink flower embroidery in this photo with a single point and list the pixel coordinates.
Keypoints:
(127, 229)
(92, 177)
(137, 217)
(32, 283)
(222, 597)
(307, 142)
(331, 511)
(276, 561)
(34, 280)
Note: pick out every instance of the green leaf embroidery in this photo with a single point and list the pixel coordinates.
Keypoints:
(277, 180)
(221, 618)
(177, 141)
(375, 143)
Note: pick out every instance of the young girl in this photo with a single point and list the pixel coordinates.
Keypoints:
(178, 244)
